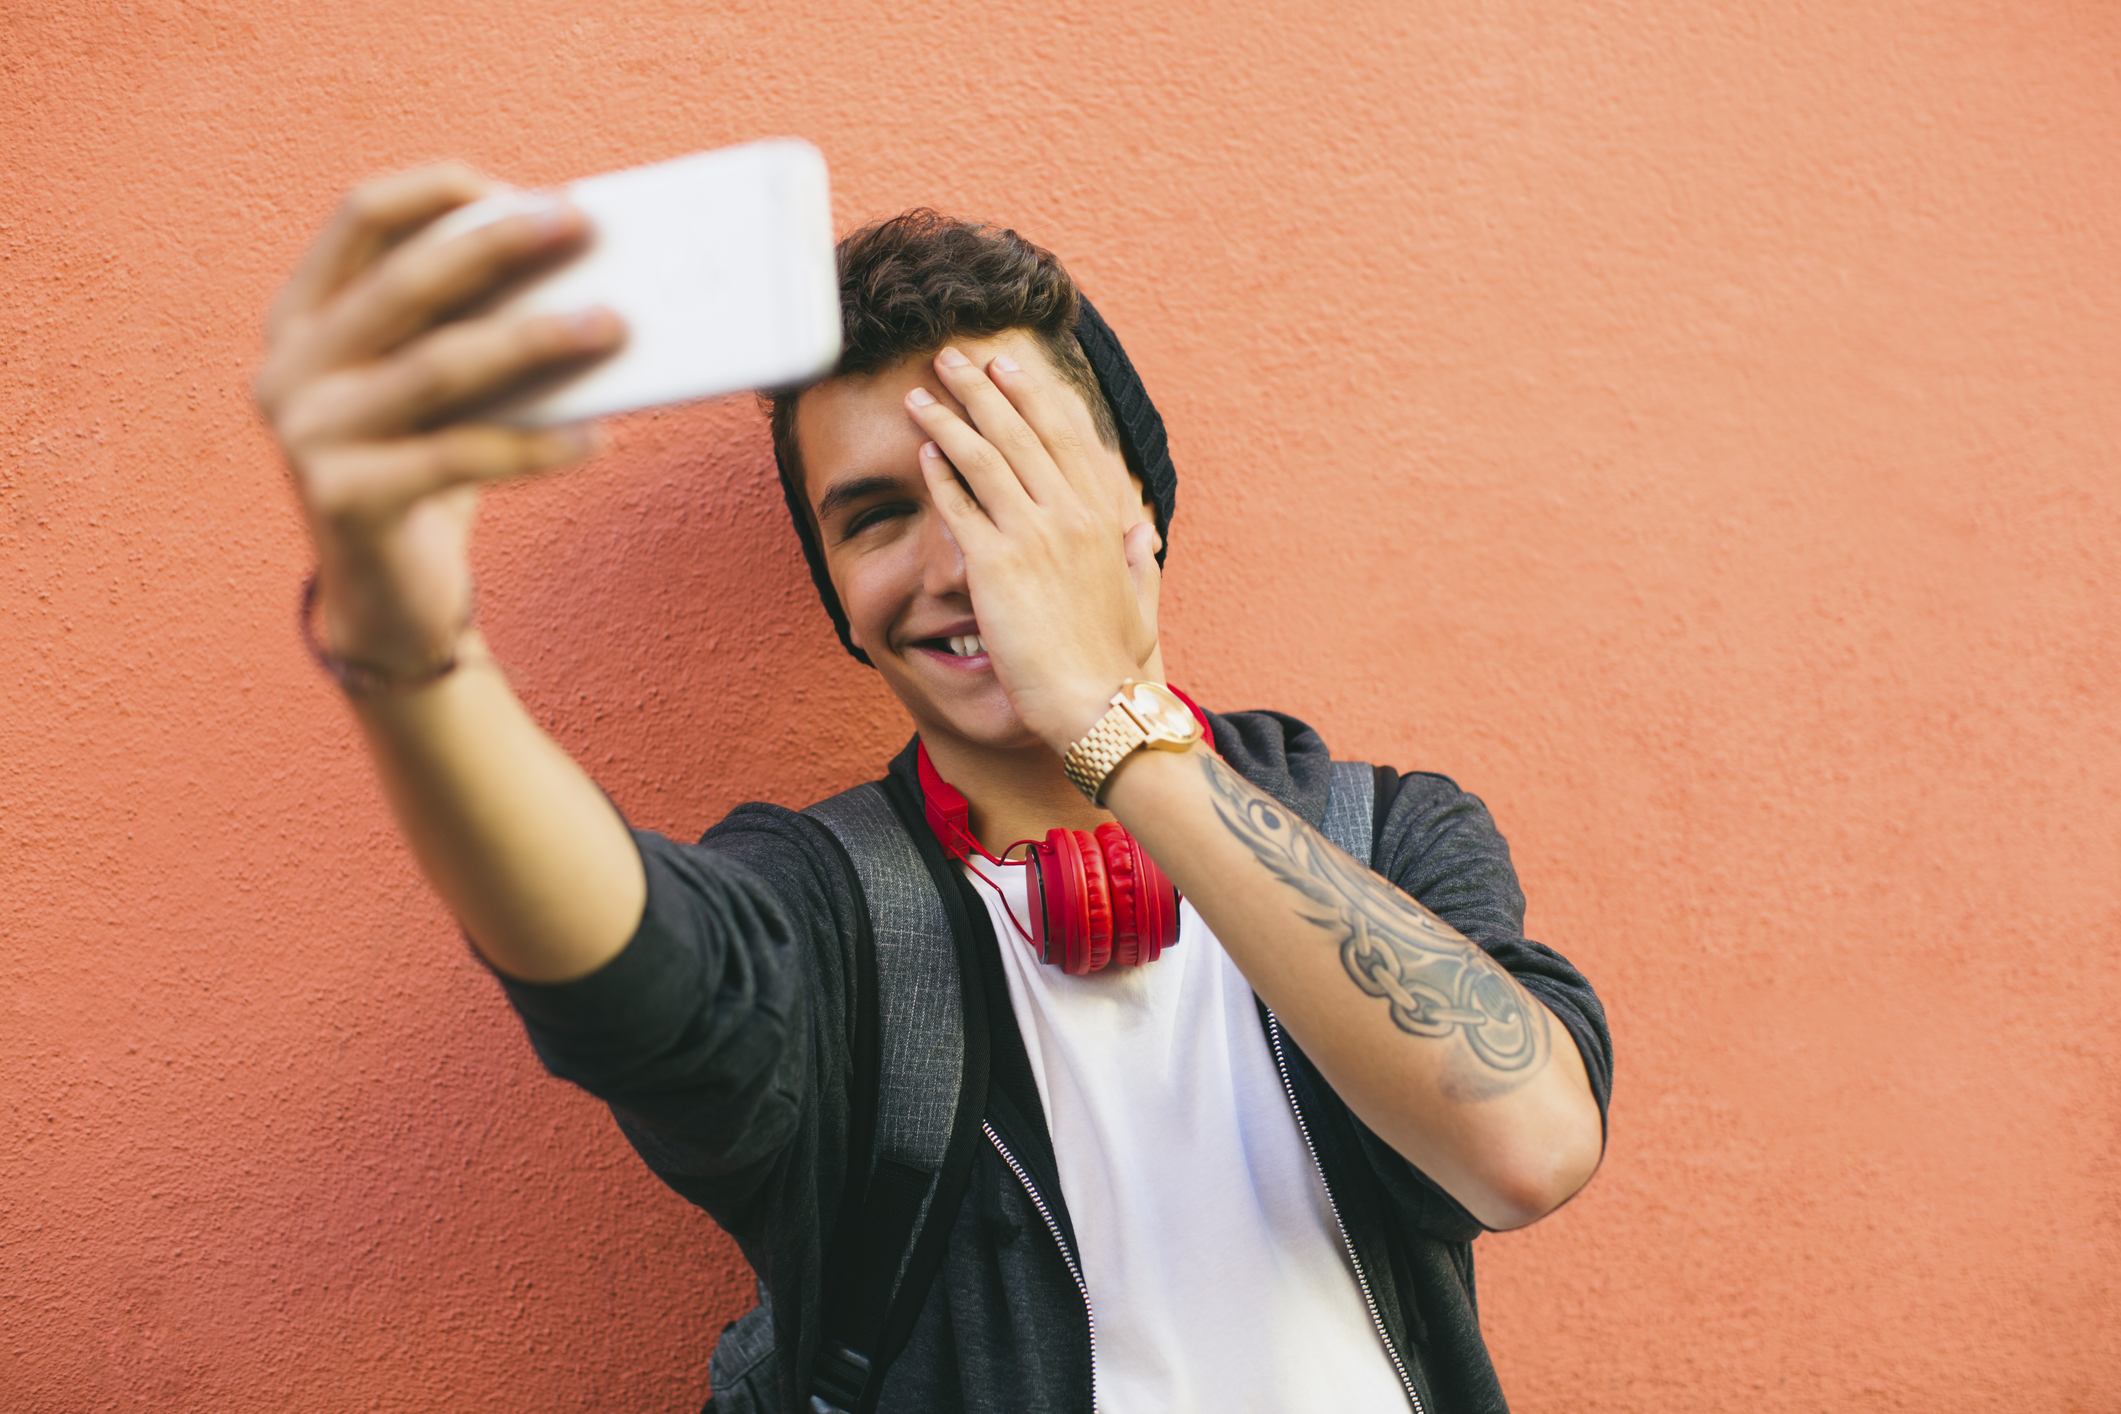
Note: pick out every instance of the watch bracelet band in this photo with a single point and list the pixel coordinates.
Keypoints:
(1091, 761)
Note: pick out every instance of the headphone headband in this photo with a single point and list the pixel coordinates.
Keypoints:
(949, 813)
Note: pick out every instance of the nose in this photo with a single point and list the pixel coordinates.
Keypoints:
(942, 562)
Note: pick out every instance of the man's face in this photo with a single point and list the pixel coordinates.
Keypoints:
(898, 570)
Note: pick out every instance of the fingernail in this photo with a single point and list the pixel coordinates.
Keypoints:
(929, 449)
(921, 397)
(550, 216)
(1004, 363)
(951, 358)
(590, 327)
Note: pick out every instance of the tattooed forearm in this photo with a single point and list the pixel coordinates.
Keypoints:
(1438, 983)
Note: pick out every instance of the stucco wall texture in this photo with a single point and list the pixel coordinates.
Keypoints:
(1693, 427)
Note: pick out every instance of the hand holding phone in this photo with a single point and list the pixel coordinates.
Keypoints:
(441, 335)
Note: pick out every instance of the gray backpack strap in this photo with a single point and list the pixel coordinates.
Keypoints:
(919, 1008)
(1351, 809)
(919, 1036)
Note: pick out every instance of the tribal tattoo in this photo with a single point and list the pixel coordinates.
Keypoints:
(1438, 983)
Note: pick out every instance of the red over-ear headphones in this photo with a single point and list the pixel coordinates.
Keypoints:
(1097, 900)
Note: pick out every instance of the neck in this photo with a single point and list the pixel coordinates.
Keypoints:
(1016, 793)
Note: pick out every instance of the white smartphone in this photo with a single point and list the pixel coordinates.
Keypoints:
(720, 263)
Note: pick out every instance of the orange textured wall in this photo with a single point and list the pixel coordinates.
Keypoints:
(1691, 426)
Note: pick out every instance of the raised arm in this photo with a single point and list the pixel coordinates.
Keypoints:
(368, 383)
(1436, 1046)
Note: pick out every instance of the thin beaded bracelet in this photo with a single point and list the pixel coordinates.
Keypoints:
(359, 679)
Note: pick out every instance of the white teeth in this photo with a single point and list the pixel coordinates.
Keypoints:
(967, 645)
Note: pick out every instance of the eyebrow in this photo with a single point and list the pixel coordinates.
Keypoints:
(853, 489)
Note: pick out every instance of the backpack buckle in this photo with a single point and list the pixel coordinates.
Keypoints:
(840, 1379)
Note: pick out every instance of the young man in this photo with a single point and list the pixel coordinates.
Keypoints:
(1241, 1175)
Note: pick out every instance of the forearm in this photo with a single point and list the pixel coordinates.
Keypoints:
(1432, 1043)
(517, 839)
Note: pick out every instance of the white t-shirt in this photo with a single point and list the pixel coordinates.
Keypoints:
(1218, 1277)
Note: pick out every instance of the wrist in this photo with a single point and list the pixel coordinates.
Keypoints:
(1122, 788)
(1142, 714)
(1080, 718)
(384, 664)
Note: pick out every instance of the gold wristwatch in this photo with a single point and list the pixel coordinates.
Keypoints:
(1142, 714)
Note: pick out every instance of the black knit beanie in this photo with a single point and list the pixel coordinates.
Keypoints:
(1141, 440)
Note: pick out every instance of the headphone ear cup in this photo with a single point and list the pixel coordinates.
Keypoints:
(1064, 904)
(1075, 923)
(1155, 905)
(1045, 927)
(1122, 858)
(1097, 901)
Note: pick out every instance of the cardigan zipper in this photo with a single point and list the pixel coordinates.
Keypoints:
(1288, 1087)
(1081, 1286)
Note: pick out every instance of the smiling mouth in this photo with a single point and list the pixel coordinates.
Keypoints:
(966, 645)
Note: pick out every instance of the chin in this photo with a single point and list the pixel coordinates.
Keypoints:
(992, 725)
(1003, 733)
(978, 714)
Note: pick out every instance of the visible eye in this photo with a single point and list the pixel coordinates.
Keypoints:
(873, 516)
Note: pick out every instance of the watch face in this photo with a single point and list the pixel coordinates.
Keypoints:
(1159, 710)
